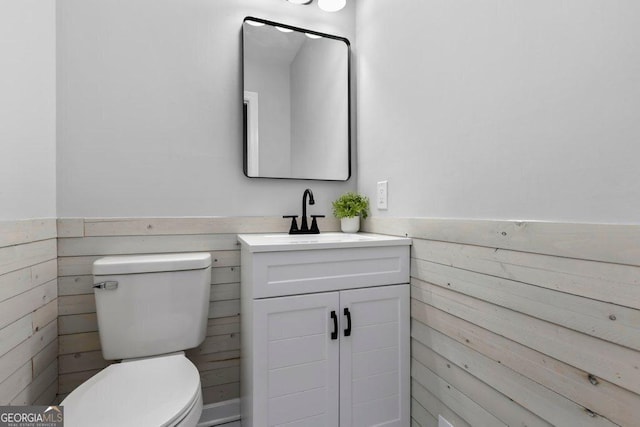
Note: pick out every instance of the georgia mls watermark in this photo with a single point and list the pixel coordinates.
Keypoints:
(31, 416)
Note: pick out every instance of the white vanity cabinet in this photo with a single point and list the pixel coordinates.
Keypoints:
(325, 330)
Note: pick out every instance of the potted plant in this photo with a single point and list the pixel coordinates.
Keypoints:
(349, 208)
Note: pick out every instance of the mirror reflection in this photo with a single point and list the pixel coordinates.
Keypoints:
(296, 103)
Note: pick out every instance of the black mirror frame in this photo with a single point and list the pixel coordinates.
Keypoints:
(349, 130)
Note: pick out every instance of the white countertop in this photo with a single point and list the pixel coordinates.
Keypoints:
(295, 242)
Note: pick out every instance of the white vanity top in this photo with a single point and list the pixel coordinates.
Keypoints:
(288, 242)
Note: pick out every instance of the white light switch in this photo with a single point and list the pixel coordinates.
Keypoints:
(381, 195)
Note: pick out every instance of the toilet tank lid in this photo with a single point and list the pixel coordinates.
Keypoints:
(131, 264)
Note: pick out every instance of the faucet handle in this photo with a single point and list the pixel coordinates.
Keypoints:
(314, 224)
(294, 223)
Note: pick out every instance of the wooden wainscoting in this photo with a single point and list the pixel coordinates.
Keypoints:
(28, 311)
(81, 241)
(523, 323)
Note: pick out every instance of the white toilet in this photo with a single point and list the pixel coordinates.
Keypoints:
(149, 308)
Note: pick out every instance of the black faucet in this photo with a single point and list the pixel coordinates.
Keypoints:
(306, 193)
(304, 227)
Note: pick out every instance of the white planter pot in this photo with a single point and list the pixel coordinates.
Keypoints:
(350, 225)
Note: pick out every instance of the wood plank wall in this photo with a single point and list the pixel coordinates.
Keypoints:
(81, 241)
(28, 312)
(523, 323)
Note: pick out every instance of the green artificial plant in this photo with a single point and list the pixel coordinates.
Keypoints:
(350, 205)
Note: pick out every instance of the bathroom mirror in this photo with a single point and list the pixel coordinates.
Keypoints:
(296, 103)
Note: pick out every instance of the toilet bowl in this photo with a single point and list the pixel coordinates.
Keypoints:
(157, 391)
(149, 309)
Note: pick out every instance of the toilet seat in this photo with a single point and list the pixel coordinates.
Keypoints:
(157, 391)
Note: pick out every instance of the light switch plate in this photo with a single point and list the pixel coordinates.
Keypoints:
(381, 195)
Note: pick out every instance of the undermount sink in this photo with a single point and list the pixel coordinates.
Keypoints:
(284, 242)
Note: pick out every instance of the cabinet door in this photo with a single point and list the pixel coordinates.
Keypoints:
(296, 364)
(374, 357)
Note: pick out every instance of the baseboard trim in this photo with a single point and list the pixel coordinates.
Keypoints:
(215, 414)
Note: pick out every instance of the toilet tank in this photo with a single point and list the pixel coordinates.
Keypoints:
(151, 304)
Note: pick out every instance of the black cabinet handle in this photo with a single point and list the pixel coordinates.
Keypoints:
(347, 332)
(334, 334)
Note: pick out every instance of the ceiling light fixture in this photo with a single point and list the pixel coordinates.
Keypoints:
(331, 5)
(326, 5)
(254, 23)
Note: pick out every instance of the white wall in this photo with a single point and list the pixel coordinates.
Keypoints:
(150, 109)
(500, 109)
(270, 80)
(27, 109)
